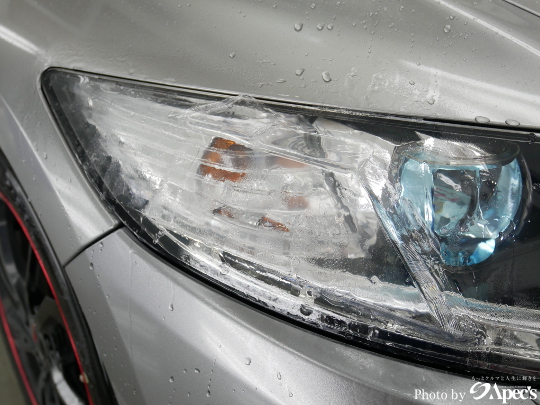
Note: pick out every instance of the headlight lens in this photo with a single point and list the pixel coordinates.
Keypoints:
(390, 232)
(468, 195)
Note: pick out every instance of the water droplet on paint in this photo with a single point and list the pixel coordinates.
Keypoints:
(481, 120)
(513, 123)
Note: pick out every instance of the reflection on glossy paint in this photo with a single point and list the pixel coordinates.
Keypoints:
(491, 28)
(15, 39)
(453, 85)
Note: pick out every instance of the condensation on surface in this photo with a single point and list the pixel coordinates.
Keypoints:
(275, 198)
(300, 213)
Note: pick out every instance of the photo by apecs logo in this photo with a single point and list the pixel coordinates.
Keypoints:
(488, 391)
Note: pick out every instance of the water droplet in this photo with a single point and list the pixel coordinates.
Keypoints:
(306, 310)
(91, 266)
(171, 379)
(232, 55)
(171, 307)
(326, 77)
(248, 361)
(452, 17)
(279, 375)
(184, 371)
(313, 6)
(197, 370)
(320, 26)
(481, 120)
(298, 26)
(290, 394)
(374, 280)
(299, 72)
(431, 100)
(411, 82)
(45, 155)
(208, 393)
(281, 81)
(513, 123)
(330, 26)
(447, 28)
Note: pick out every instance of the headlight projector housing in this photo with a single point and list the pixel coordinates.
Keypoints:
(414, 236)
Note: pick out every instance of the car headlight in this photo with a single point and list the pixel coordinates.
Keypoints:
(416, 237)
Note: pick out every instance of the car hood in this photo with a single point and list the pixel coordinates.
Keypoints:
(444, 59)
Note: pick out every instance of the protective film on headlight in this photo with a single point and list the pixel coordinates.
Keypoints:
(390, 232)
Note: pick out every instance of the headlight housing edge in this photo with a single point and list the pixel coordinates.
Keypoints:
(318, 311)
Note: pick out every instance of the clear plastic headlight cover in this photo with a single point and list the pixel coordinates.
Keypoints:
(415, 237)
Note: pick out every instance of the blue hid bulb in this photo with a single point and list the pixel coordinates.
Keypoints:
(467, 196)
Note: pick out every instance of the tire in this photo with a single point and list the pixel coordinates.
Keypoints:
(50, 342)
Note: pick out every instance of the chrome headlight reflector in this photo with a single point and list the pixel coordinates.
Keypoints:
(397, 233)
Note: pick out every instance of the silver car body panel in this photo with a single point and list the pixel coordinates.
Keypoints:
(165, 337)
(465, 59)
(69, 210)
(445, 59)
(382, 57)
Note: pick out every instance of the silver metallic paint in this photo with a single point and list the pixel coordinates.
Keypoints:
(243, 355)
(68, 208)
(390, 57)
